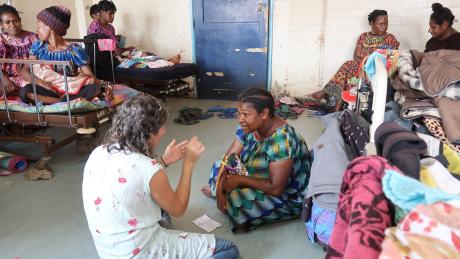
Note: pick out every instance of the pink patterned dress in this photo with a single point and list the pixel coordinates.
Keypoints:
(15, 48)
(123, 217)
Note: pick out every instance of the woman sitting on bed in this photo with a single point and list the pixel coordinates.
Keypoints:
(14, 44)
(443, 35)
(103, 25)
(53, 23)
(265, 170)
(367, 43)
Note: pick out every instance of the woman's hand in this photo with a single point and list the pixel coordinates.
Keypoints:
(231, 182)
(174, 152)
(9, 85)
(193, 150)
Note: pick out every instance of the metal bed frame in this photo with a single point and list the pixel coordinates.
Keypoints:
(12, 122)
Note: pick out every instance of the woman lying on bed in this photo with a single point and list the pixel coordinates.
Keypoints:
(53, 23)
(103, 25)
(367, 43)
(14, 44)
(443, 35)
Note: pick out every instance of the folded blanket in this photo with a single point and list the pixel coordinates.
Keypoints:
(420, 80)
(12, 163)
(412, 109)
(120, 93)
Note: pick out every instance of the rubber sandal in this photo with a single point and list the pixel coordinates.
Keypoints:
(4, 172)
(216, 108)
(226, 115)
(186, 119)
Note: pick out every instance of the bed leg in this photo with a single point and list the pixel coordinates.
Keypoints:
(85, 145)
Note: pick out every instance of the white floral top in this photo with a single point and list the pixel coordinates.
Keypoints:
(122, 216)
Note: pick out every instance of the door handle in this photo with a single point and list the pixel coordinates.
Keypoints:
(260, 6)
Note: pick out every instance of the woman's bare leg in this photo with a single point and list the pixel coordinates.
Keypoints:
(43, 99)
(175, 59)
(318, 95)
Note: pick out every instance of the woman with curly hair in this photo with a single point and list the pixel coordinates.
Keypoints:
(125, 189)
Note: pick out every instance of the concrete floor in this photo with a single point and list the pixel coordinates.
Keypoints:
(45, 219)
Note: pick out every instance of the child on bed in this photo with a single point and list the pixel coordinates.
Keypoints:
(53, 23)
(107, 10)
(94, 13)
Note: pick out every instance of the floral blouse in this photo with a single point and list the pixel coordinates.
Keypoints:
(123, 217)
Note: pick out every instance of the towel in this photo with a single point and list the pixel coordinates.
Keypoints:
(407, 193)
(106, 45)
(369, 67)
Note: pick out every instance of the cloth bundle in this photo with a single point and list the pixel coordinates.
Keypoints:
(57, 81)
(12, 163)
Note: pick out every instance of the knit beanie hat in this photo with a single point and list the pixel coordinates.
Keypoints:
(57, 18)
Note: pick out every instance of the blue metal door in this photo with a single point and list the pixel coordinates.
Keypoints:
(231, 45)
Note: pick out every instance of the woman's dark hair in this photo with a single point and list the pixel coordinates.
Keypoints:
(105, 5)
(134, 122)
(94, 9)
(4, 8)
(260, 99)
(376, 13)
(441, 14)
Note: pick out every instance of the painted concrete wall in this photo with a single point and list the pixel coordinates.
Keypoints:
(301, 65)
(311, 38)
(162, 27)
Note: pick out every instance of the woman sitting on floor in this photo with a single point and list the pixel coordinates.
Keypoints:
(53, 23)
(272, 168)
(107, 10)
(443, 35)
(367, 43)
(15, 43)
(125, 190)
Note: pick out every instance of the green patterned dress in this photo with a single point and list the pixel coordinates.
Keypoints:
(249, 208)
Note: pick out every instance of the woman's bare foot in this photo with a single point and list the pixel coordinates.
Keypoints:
(318, 95)
(175, 59)
(206, 190)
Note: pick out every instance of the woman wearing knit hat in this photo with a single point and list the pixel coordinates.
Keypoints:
(53, 23)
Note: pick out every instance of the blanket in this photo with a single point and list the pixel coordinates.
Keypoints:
(415, 81)
(47, 74)
(120, 93)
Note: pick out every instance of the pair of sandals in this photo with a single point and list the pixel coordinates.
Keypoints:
(189, 116)
(224, 113)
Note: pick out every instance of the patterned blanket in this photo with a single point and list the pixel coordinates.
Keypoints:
(120, 92)
(411, 76)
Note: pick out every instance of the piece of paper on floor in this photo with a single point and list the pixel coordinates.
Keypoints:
(206, 223)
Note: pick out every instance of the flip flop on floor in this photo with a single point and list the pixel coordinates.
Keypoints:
(216, 108)
(4, 172)
(186, 119)
(226, 115)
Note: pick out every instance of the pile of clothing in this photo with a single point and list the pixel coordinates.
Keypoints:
(428, 88)
(289, 108)
(403, 203)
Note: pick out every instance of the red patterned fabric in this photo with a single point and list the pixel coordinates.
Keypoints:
(363, 212)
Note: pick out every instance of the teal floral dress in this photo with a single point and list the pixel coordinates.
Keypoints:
(249, 208)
